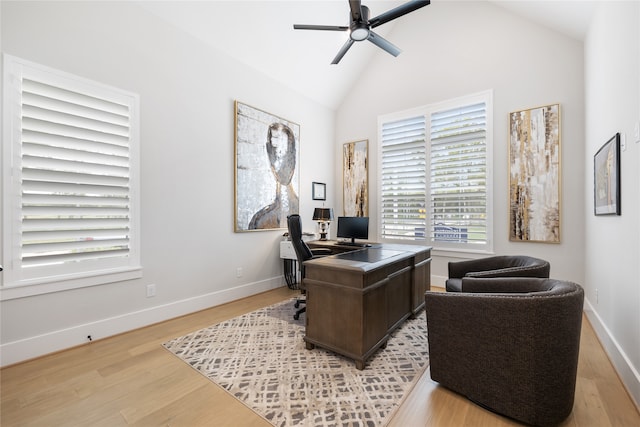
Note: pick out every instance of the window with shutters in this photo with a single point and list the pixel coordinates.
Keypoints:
(435, 174)
(403, 179)
(70, 180)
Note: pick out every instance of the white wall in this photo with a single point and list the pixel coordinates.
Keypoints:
(612, 259)
(451, 49)
(187, 90)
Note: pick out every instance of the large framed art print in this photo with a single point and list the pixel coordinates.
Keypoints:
(267, 175)
(534, 175)
(355, 175)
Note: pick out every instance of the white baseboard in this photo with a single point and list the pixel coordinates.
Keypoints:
(438, 281)
(621, 363)
(32, 347)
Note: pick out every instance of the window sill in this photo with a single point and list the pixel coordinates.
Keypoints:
(29, 290)
(461, 253)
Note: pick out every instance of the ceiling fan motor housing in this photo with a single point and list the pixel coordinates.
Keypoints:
(359, 30)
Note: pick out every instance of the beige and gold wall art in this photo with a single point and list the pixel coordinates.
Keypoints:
(355, 171)
(534, 175)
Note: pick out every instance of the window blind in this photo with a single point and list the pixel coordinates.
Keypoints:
(73, 177)
(403, 183)
(458, 175)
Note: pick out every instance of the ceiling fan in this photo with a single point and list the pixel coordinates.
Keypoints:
(360, 26)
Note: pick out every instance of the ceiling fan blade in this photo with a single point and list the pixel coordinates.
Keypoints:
(344, 50)
(398, 12)
(383, 44)
(356, 10)
(320, 27)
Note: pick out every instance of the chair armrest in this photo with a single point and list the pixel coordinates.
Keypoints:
(458, 269)
(541, 271)
(505, 285)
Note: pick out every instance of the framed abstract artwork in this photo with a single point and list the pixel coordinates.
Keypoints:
(355, 172)
(267, 176)
(534, 175)
(606, 176)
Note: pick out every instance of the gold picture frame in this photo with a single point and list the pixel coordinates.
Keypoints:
(535, 175)
(355, 178)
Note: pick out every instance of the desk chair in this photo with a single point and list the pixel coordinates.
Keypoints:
(303, 253)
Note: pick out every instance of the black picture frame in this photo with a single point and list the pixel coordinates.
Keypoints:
(318, 191)
(606, 178)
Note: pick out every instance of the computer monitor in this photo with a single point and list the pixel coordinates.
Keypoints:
(353, 227)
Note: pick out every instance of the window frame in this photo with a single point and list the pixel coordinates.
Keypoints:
(15, 284)
(427, 111)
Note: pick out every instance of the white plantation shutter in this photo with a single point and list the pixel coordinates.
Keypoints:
(435, 174)
(403, 191)
(458, 183)
(74, 180)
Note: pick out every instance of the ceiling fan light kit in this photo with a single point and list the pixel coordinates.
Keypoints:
(359, 34)
(360, 26)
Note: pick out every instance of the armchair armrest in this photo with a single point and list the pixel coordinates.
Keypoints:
(505, 285)
(459, 269)
(520, 271)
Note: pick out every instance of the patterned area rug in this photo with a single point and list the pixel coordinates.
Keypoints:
(260, 358)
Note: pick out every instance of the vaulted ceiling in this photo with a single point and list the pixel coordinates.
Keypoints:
(260, 34)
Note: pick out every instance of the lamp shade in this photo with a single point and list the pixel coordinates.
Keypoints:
(323, 214)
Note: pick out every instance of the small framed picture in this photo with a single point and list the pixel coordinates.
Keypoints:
(606, 174)
(319, 191)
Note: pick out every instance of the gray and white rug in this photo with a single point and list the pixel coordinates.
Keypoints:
(260, 358)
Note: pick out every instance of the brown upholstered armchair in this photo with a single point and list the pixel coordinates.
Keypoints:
(509, 344)
(496, 266)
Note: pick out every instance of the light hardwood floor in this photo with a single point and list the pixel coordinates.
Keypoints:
(131, 379)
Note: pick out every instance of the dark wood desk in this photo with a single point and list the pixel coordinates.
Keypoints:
(356, 298)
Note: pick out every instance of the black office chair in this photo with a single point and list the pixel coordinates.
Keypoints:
(303, 253)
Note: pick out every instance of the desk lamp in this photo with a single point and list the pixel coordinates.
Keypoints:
(323, 216)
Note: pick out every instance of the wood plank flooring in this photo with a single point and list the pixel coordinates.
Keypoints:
(131, 379)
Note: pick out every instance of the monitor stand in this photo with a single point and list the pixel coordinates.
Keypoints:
(353, 243)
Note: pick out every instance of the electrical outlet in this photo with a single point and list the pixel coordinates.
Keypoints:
(239, 272)
(151, 291)
(597, 299)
